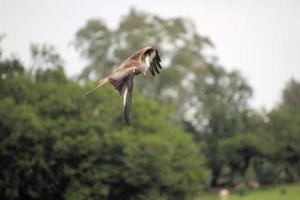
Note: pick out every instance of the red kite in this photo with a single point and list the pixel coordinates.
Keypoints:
(144, 60)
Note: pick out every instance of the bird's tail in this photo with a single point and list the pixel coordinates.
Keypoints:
(101, 82)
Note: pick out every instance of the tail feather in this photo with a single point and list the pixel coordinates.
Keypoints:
(101, 82)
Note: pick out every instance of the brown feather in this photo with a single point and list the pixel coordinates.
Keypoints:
(127, 106)
(155, 68)
(157, 55)
(119, 80)
(152, 71)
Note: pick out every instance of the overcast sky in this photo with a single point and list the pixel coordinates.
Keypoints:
(261, 38)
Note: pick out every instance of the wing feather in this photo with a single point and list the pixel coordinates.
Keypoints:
(120, 79)
(157, 62)
(123, 82)
(157, 55)
(155, 66)
(151, 70)
(127, 99)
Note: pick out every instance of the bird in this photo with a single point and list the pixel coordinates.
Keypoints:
(145, 60)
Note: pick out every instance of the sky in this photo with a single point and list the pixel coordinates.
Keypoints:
(260, 38)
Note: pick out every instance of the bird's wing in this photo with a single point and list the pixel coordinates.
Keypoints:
(120, 78)
(123, 82)
(127, 98)
(153, 63)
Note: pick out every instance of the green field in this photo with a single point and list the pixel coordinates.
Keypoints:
(284, 192)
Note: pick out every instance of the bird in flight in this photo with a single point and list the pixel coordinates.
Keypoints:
(143, 61)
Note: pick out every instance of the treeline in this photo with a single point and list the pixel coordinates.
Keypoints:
(56, 145)
(192, 127)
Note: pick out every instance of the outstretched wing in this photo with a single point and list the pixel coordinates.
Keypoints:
(123, 82)
(154, 62)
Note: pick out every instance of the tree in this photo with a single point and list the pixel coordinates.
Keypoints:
(291, 95)
(44, 56)
(285, 126)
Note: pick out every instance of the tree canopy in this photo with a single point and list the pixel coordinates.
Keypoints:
(57, 145)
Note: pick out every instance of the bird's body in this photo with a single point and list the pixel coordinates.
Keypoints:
(144, 60)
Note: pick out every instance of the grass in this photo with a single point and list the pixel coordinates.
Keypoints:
(283, 192)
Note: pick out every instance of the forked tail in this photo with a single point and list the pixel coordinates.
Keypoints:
(101, 82)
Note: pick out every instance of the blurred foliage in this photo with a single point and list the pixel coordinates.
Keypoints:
(45, 57)
(291, 95)
(285, 128)
(192, 127)
(54, 144)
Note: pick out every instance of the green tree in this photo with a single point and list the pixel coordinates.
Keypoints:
(291, 95)
(44, 56)
(285, 127)
(276, 143)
